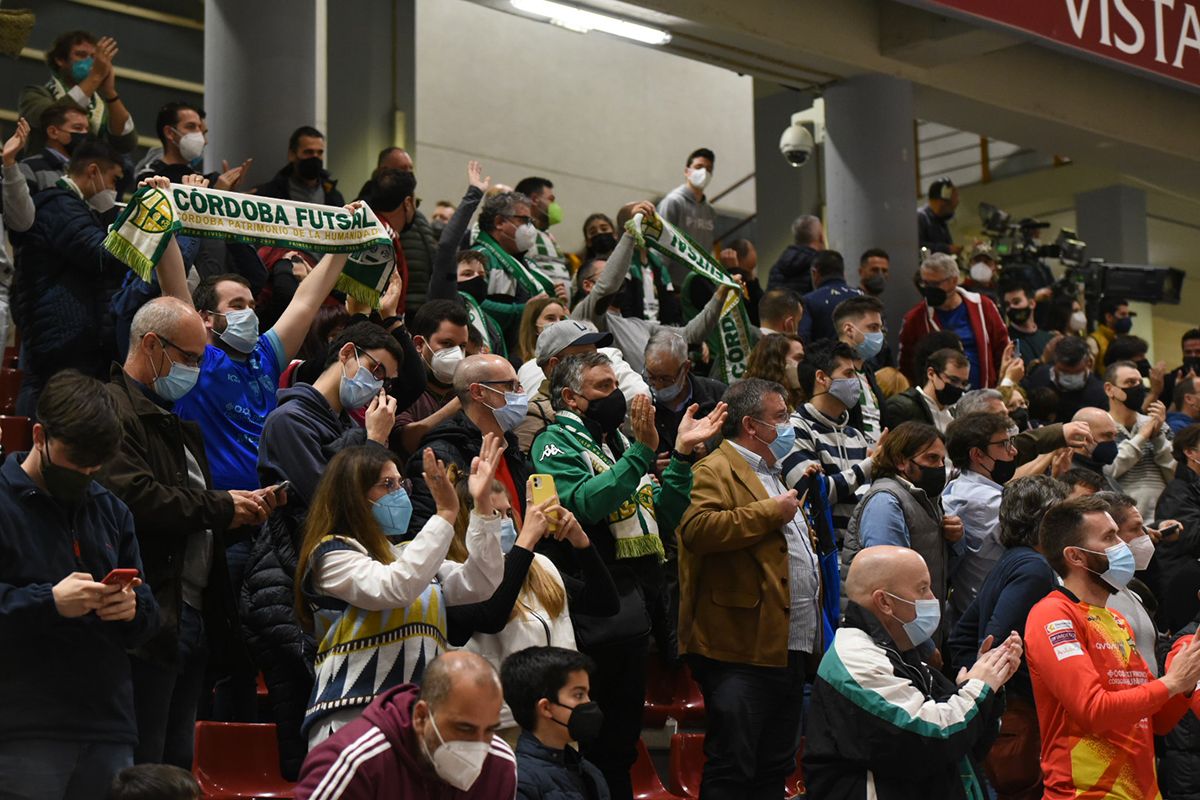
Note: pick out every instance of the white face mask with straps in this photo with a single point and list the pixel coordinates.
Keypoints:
(457, 763)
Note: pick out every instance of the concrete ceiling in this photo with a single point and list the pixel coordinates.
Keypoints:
(985, 81)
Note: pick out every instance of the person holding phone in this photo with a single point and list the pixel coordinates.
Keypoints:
(361, 595)
(161, 472)
(66, 688)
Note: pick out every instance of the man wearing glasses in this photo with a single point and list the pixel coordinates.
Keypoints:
(162, 474)
(983, 447)
(314, 422)
(492, 402)
(947, 306)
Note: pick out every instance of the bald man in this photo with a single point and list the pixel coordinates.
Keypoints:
(162, 474)
(1102, 449)
(882, 722)
(492, 402)
(420, 742)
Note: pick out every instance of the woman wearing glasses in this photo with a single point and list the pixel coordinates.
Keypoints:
(378, 609)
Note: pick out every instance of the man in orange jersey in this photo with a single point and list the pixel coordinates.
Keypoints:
(1098, 705)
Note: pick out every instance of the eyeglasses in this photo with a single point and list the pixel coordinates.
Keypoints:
(392, 484)
(663, 380)
(506, 386)
(379, 371)
(189, 359)
(960, 383)
(940, 282)
(1009, 443)
(521, 219)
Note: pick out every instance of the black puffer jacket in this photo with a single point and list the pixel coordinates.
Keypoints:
(283, 650)
(1179, 769)
(420, 247)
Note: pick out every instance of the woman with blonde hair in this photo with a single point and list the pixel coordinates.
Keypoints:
(539, 313)
(775, 358)
(533, 605)
(362, 595)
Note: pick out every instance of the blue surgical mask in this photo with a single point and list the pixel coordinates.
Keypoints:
(871, 345)
(393, 512)
(929, 616)
(1121, 565)
(847, 390)
(669, 394)
(508, 535)
(785, 438)
(241, 330)
(178, 381)
(356, 392)
(512, 413)
(81, 69)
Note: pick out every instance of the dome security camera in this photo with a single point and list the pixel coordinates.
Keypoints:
(796, 144)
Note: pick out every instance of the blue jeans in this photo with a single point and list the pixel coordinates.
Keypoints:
(49, 769)
(165, 697)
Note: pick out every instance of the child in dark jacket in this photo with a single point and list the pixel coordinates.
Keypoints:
(547, 690)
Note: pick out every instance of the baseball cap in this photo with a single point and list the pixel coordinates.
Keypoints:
(567, 333)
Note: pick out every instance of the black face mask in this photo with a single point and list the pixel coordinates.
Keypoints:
(1191, 365)
(1019, 315)
(309, 168)
(77, 138)
(1105, 453)
(932, 480)
(874, 284)
(437, 226)
(65, 485)
(476, 288)
(1143, 367)
(602, 244)
(934, 295)
(1002, 471)
(607, 412)
(949, 394)
(1135, 396)
(585, 722)
(1021, 417)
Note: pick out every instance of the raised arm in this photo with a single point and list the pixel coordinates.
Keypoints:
(700, 326)
(18, 203)
(607, 283)
(296, 319)
(443, 278)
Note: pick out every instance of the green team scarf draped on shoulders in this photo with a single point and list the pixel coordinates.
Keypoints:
(141, 233)
(528, 279)
(733, 338)
(634, 526)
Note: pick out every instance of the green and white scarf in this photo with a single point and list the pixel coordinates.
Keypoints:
(634, 526)
(734, 341)
(141, 233)
(528, 279)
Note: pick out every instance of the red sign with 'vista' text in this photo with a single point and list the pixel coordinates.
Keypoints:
(1159, 36)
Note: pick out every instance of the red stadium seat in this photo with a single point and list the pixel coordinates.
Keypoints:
(671, 692)
(646, 783)
(687, 767)
(10, 385)
(238, 761)
(16, 434)
(687, 764)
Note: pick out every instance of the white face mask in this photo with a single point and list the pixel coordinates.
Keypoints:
(191, 145)
(981, 272)
(699, 178)
(525, 236)
(103, 201)
(457, 763)
(1078, 322)
(1143, 551)
(443, 362)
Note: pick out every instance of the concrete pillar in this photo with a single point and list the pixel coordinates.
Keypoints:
(870, 182)
(782, 192)
(269, 73)
(265, 75)
(1112, 221)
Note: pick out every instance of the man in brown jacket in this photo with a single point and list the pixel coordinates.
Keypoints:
(749, 598)
(162, 474)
